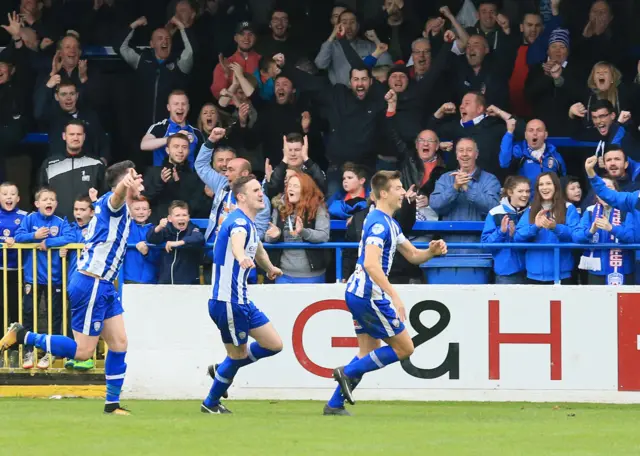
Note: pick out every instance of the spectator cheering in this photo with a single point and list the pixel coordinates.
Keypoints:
(533, 156)
(72, 173)
(158, 73)
(303, 218)
(603, 224)
(500, 227)
(183, 242)
(158, 134)
(549, 220)
(468, 193)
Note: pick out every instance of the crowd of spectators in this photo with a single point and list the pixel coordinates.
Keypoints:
(314, 96)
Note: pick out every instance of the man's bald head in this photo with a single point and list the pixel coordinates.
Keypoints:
(536, 133)
(236, 168)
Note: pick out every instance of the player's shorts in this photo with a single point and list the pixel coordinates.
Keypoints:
(236, 320)
(92, 302)
(378, 318)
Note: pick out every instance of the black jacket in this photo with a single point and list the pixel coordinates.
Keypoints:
(550, 103)
(182, 265)
(71, 176)
(354, 124)
(276, 183)
(188, 188)
(53, 119)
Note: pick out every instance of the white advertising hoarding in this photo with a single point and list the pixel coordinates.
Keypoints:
(472, 343)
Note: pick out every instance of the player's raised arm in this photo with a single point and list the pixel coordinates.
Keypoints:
(238, 240)
(373, 267)
(419, 256)
(129, 185)
(263, 260)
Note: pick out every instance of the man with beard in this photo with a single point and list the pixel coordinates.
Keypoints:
(279, 41)
(355, 115)
(244, 56)
(173, 180)
(606, 129)
(285, 114)
(619, 167)
(331, 56)
(477, 122)
(157, 137)
(157, 72)
(53, 117)
(72, 173)
(491, 25)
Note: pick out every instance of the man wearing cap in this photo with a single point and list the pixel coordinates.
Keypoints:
(245, 56)
(548, 85)
(331, 56)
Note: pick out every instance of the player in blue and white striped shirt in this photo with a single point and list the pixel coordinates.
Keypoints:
(95, 303)
(236, 248)
(378, 312)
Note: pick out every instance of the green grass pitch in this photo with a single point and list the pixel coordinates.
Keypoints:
(76, 426)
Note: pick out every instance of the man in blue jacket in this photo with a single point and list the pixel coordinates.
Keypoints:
(466, 194)
(183, 246)
(535, 155)
(49, 231)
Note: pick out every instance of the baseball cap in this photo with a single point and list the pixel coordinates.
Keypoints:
(242, 26)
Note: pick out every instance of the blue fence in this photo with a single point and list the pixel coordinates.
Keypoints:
(438, 227)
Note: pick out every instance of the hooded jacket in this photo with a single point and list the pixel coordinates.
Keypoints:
(505, 261)
(60, 234)
(539, 263)
(181, 265)
(9, 223)
(342, 209)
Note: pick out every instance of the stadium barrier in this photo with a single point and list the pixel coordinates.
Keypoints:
(34, 290)
(478, 343)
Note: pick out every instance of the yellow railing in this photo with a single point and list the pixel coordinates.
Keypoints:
(22, 248)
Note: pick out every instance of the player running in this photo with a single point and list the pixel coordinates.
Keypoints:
(236, 246)
(95, 303)
(378, 311)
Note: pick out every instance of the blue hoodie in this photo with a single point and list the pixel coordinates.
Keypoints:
(137, 267)
(181, 266)
(622, 233)
(60, 234)
(529, 167)
(539, 263)
(505, 261)
(625, 201)
(341, 209)
(9, 223)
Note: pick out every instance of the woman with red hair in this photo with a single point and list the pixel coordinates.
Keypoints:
(302, 218)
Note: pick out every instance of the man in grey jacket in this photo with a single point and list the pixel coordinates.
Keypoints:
(224, 201)
(331, 56)
(467, 194)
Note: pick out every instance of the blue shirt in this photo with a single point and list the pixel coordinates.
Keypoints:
(106, 239)
(59, 234)
(383, 231)
(77, 232)
(141, 268)
(9, 223)
(167, 128)
(229, 279)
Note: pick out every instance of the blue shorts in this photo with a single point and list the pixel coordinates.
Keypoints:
(236, 320)
(92, 302)
(375, 318)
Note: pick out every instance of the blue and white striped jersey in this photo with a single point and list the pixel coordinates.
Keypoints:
(384, 231)
(105, 240)
(228, 278)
